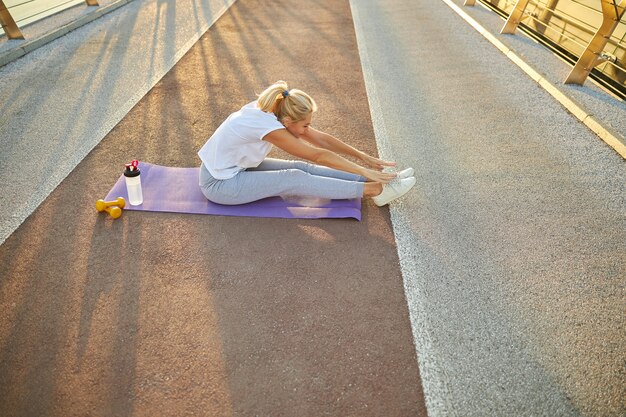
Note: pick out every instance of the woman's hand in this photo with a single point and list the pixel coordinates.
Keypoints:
(378, 176)
(376, 163)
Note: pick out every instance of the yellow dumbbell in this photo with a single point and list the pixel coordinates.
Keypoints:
(114, 208)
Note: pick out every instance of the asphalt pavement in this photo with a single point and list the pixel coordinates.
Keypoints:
(60, 100)
(512, 247)
(173, 314)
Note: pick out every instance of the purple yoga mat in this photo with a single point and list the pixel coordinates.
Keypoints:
(176, 190)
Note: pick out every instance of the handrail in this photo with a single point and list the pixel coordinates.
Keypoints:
(572, 20)
(8, 23)
(43, 11)
(20, 4)
(561, 34)
(11, 26)
(569, 27)
(592, 56)
(591, 9)
(577, 23)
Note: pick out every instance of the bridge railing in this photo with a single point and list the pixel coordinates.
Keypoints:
(591, 34)
(15, 14)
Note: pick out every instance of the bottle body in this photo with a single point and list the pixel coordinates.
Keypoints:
(133, 186)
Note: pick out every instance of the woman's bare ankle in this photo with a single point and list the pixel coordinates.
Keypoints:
(372, 189)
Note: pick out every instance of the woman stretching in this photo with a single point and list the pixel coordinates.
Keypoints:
(235, 169)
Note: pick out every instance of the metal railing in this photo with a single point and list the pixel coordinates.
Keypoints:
(590, 34)
(15, 14)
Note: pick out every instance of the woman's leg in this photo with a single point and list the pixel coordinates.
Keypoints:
(271, 164)
(252, 185)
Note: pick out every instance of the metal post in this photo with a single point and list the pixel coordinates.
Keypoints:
(8, 24)
(546, 15)
(592, 56)
(515, 17)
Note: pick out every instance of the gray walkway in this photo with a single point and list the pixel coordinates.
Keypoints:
(513, 246)
(59, 101)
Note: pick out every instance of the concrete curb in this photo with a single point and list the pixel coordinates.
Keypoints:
(611, 138)
(32, 44)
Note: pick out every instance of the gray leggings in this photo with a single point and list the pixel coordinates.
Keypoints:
(277, 177)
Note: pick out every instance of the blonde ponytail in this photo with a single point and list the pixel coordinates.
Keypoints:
(283, 102)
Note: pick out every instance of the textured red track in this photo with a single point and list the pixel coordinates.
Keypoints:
(168, 314)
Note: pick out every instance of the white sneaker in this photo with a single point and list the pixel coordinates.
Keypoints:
(394, 189)
(405, 173)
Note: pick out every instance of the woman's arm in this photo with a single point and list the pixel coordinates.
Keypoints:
(326, 141)
(290, 144)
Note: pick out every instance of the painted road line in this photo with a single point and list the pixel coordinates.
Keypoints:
(434, 388)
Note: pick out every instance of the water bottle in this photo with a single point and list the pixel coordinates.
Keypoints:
(133, 183)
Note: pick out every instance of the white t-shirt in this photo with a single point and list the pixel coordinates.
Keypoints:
(238, 142)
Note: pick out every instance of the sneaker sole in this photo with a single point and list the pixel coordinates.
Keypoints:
(396, 197)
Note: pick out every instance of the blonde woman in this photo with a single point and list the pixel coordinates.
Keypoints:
(235, 169)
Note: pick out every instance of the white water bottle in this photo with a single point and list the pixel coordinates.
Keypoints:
(133, 183)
